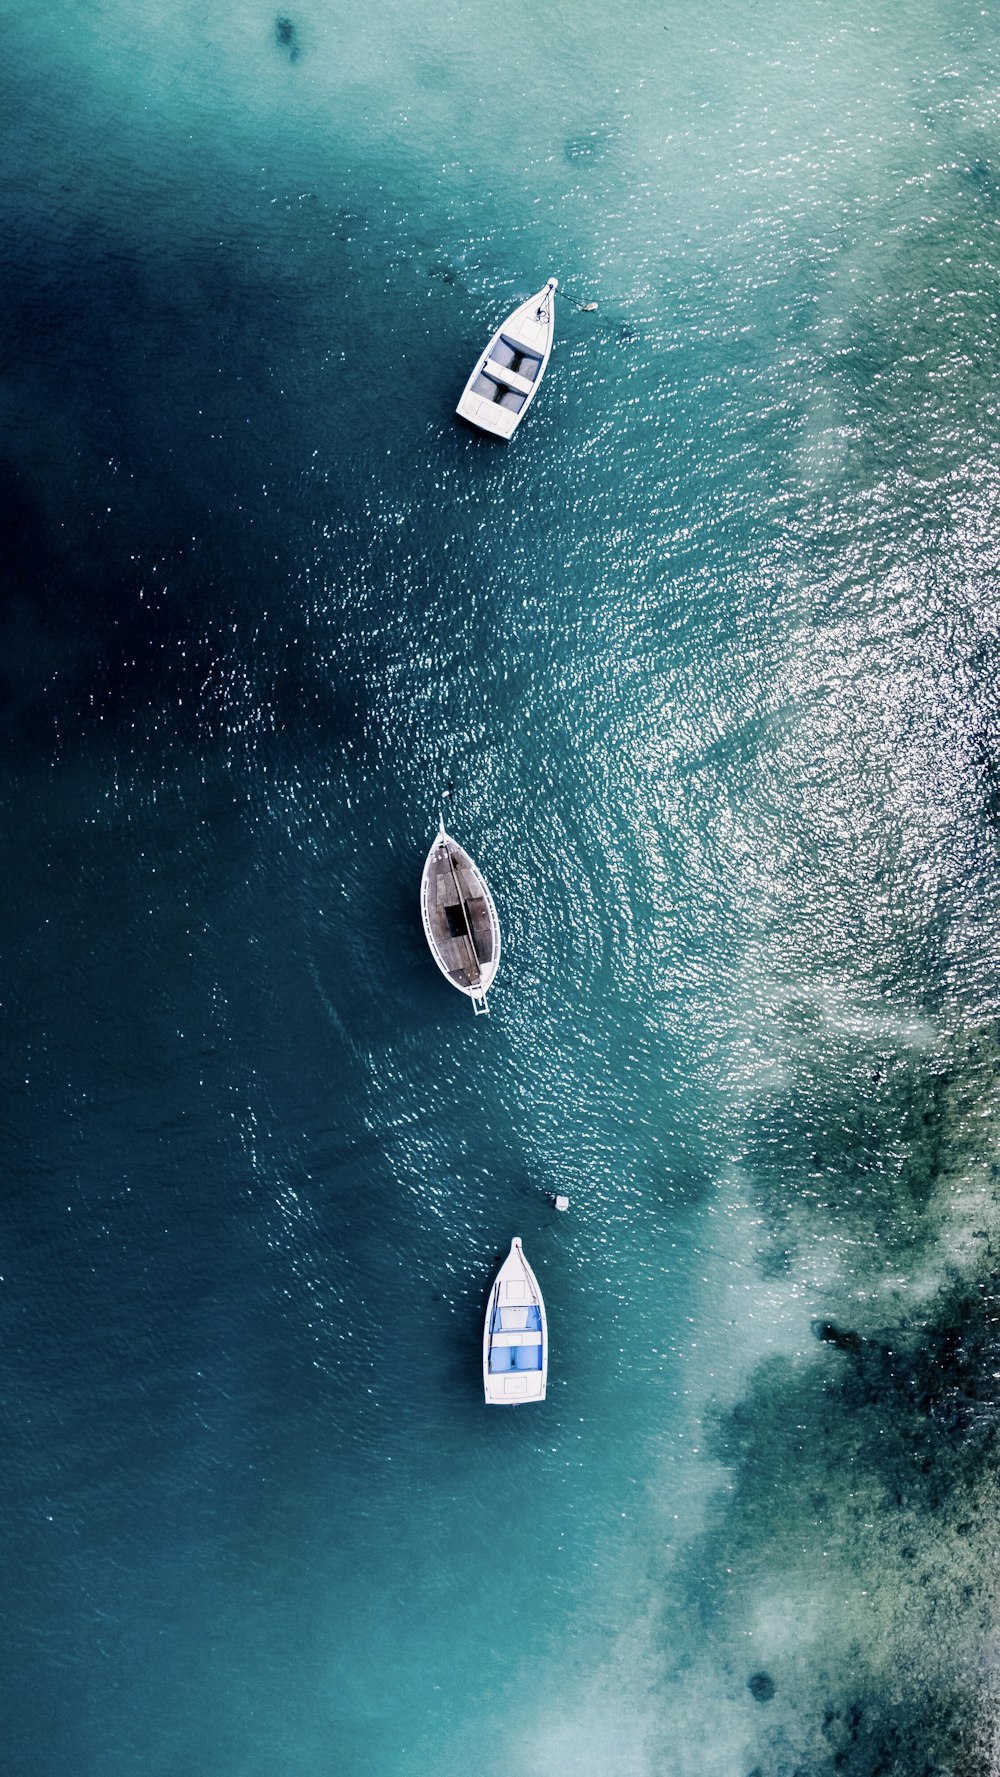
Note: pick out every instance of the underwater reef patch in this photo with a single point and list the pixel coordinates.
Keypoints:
(854, 1539)
(286, 35)
(761, 1687)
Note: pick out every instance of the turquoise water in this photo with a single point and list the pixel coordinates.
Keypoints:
(704, 668)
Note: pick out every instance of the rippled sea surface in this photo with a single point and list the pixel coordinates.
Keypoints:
(703, 667)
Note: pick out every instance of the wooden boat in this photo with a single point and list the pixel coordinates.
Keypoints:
(505, 380)
(460, 919)
(515, 1337)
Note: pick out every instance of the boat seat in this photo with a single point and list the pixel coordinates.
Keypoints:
(480, 927)
(512, 378)
(518, 1320)
(494, 390)
(512, 1320)
(516, 358)
(515, 1357)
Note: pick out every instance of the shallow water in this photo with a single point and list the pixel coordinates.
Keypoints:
(703, 666)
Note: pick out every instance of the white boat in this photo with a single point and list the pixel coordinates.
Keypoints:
(515, 1337)
(506, 378)
(460, 919)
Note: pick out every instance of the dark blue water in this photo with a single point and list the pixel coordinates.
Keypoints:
(703, 667)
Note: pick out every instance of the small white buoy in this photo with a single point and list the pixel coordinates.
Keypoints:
(562, 1202)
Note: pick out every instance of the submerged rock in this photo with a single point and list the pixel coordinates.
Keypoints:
(761, 1687)
(842, 1337)
(286, 34)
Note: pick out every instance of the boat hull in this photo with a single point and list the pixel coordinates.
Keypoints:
(507, 376)
(515, 1335)
(460, 920)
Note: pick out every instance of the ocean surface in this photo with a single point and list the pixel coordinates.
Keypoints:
(703, 668)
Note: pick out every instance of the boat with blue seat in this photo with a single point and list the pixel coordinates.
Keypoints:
(515, 1337)
(507, 375)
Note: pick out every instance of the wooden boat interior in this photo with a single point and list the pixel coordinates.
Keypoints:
(459, 917)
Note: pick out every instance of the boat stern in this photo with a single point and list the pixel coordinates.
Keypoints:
(489, 415)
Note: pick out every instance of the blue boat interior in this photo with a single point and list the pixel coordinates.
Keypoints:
(526, 1318)
(514, 1357)
(517, 1320)
(516, 358)
(498, 392)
